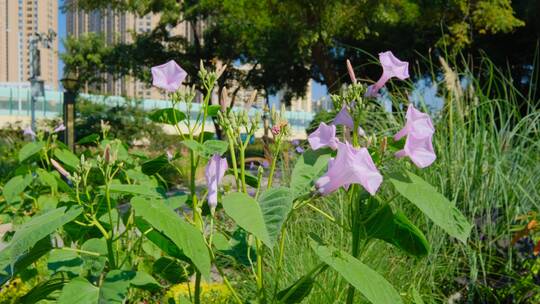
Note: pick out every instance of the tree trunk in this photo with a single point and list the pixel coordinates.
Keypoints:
(322, 58)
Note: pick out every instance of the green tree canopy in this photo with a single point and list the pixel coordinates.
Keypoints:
(287, 42)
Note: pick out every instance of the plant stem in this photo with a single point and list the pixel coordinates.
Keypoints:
(197, 288)
(243, 167)
(274, 161)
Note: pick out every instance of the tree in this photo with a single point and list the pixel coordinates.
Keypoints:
(287, 42)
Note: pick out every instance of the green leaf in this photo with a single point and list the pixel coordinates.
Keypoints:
(39, 227)
(302, 288)
(30, 149)
(67, 158)
(42, 291)
(176, 201)
(79, 291)
(47, 202)
(7, 269)
(164, 243)
(145, 281)
(135, 189)
(153, 166)
(433, 204)
(91, 262)
(48, 179)
(115, 286)
(88, 139)
(275, 204)
(397, 230)
(184, 235)
(169, 270)
(213, 110)
(169, 116)
(15, 186)
(309, 166)
(64, 260)
(366, 280)
(194, 146)
(213, 146)
(245, 211)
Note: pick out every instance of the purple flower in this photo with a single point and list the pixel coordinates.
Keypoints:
(324, 136)
(418, 145)
(344, 118)
(392, 67)
(59, 128)
(168, 76)
(252, 166)
(295, 142)
(214, 172)
(265, 164)
(28, 131)
(351, 166)
(60, 169)
(299, 149)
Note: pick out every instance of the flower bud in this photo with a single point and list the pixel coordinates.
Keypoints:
(351, 71)
(224, 100)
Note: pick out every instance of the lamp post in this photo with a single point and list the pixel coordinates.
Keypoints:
(70, 85)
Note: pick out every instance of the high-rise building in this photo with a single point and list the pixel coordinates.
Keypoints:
(19, 21)
(119, 27)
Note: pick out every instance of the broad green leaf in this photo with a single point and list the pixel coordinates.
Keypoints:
(30, 149)
(88, 139)
(213, 146)
(115, 286)
(42, 291)
(176, 201)
(47, 179)
(169, 116)
(15, 187)
(220, 242)
(145, 281)
(194, 146)
(213, 110)
(188, 238)
(7, 270)
(47, 202)
(79, 291)
(164, 243)
(64, 260)
(367, 281)
(94, 263)
(153, 166)
(275, 204)
(245, 211)
(135, 189)
(67, 158)
(309, 166)
(433, 204)
(397, 230)
(169, 270)
(39, 227)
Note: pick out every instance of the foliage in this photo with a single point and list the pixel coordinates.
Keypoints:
(285, 43)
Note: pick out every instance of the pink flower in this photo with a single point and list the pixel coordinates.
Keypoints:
(418, 145)
(168, 76)
(351, 166)
(214, 172)
(324, 136)
(351, 71)
(344, 118)
(392, 67)
(60, 169)
(28, 131)
(59, 128)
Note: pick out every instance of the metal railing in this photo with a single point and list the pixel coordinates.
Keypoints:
(16, 102)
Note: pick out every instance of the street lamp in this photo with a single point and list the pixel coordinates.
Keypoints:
(70, 84)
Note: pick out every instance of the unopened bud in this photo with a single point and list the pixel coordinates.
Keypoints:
(251, 100)
(107, 154)
(384, 144)
(224, 100)
(351, 71)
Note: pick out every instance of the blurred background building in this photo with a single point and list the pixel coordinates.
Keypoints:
(19, 20)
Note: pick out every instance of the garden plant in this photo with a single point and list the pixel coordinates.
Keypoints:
(101, 227)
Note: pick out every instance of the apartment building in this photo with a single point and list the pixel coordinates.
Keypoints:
(19, 21)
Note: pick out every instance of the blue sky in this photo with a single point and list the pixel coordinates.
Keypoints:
(317, 91)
